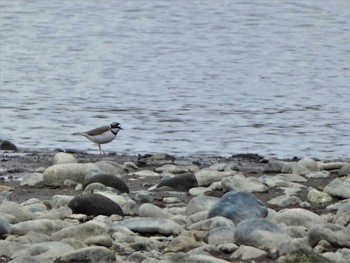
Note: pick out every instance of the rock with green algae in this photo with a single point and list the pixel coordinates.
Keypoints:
(304, 256)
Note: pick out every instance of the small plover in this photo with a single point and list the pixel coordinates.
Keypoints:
(102, 134)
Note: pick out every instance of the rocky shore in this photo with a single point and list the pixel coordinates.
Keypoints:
(76, 207)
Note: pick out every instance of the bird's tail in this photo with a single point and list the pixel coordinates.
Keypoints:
(77, 133)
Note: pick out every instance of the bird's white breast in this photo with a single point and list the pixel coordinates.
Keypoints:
(102, 138)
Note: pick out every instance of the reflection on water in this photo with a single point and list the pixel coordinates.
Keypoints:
(186, 77)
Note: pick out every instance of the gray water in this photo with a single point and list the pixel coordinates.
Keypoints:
(182, 77)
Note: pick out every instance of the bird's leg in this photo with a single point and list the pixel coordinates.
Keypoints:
(101, 151)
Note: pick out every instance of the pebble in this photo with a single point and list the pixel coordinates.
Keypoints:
(110, 222)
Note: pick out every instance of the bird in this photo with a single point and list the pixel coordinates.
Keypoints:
(102, 134)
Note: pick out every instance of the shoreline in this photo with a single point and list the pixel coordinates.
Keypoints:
(265, 177)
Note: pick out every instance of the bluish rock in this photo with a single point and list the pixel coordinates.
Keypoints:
(238, 206)
(94, 204)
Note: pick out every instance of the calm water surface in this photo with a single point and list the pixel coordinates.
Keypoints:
(182, 77)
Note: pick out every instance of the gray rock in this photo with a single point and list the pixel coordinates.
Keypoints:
(20, 213)
(309, 164)
(339, 187)
(143, 197)
(247, 253)
(274, 166)
(238, 206)
(342, 216)
(152, 225)
(62, 157)
(8, 146)
(80, 232)
(89, 254)
(241, 183)
(283, 181)
(182, 244)
(336, 235)
(200, 203)
(176, 169)
(60, 200)
(297, 217)
(330, 166)
(109, 167)
(94, 204)
(128, 206)
(211, 223)
(45, 251)
(33, 180)
(345, 170)
(250, 232)
(45, 226)
(220, 235)
(4, 227)
(150, 210)
(285, 200)
(295, 168)
(7, 248)
(319, 174)
(56, 174)
(200, 258)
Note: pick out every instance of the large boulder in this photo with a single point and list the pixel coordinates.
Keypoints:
(238, 206)
(94, 204)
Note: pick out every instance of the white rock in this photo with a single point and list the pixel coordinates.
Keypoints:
(146, 173)
(33, 180)
(294, 168)
(196, 191)
(248, 252)
(206, 177)
(56, 174)
(200, 203)
(241, 183)
(285, 200)
(152, 225)
(176, 169)
(297, 217)
(45, 251)
(20, 212)
(45, 226)
(339, 187)
(150, 210)
(62, 157)
(309, 163)
(319, 174)
(330, 166)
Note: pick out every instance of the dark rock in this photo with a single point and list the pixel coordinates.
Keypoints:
(238, 206)
(4, 227)
(94, 204)
(88, 254)
(8, 146)
(182, 182)
(108, 180)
